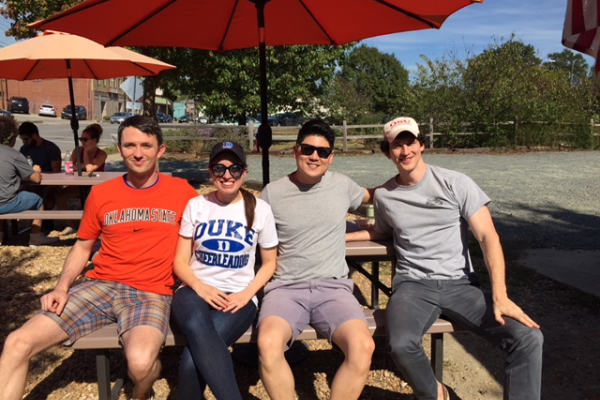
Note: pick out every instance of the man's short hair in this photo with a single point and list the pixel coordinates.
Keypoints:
(316, 127)
(145, 124)
(8, 129)
(28, 129)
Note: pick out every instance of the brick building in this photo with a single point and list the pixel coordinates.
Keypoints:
(101, 98)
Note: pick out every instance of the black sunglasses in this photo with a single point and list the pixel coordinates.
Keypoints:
(322, 152)
(84, 139)
(236, 170)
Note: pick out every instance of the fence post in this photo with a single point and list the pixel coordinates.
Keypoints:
(250, 127)
(431, 132)
(345, 137)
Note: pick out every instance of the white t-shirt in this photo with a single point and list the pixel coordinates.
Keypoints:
(224, 253)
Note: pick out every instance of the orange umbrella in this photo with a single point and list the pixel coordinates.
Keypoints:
(55, 55)
(236, 24)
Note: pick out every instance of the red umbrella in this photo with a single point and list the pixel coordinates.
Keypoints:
(236, 24)
(581, 31)
(54, 55)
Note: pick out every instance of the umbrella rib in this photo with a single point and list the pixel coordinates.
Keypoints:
(150, 15)
(408, 13)
(30, 71)
(318, 23)
(226, 34)
(91, 69)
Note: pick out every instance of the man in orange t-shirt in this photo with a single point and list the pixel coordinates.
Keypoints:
(138, 217)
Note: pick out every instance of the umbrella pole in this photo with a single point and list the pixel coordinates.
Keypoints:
(74, 120)
(265, 134)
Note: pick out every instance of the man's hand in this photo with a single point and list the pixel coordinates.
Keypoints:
(508, 308)
(55, 301)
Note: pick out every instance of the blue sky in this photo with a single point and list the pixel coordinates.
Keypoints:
(469, 31)
(473, 29)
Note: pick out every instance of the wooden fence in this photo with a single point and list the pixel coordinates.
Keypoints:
(345, 130)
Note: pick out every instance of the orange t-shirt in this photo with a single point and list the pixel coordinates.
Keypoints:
(139, 229)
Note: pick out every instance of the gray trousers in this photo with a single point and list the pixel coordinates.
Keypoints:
(416, 304)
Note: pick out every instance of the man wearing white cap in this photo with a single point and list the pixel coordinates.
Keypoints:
(428, 210)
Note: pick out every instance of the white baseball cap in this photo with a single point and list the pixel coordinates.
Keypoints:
(398, 125)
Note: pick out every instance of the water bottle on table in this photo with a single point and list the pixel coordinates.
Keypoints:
(68, 164)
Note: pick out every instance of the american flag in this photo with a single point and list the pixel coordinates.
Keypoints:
(581, 31)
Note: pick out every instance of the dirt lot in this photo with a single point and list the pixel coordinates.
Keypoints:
(473, 369)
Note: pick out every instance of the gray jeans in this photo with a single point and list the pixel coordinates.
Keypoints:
(416, 304)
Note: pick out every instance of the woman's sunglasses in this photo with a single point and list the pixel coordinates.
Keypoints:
(84, 139)
(322, 152)
(236, 170)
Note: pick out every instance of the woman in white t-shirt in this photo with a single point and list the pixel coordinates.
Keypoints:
(215, 257)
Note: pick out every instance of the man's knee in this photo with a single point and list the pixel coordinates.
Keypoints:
(532, 341)
(402, 346)
(141, 363)
(273, 336)
(19, 345)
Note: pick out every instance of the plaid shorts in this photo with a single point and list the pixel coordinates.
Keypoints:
(96, 303)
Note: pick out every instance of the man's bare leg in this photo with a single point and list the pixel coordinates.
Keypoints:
(36, 335)
(356, 342)
(277, 377)
(142, 346)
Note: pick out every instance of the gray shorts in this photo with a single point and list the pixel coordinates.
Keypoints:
(323, 303)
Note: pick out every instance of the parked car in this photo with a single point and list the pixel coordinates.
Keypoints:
(286, 119)
(119, 117)
(165, 118)
(80, 112)
(6, 113)
(223, 121)
(18, 105)
(48, 110)
(184, 119)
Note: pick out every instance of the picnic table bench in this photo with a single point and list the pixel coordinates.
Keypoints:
(105, 339)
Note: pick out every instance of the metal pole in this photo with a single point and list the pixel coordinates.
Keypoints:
(265, 134)
(74, 120)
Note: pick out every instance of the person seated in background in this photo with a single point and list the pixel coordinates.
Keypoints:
(92, 159)
(14, 168)
(217, 301)
(44, 153)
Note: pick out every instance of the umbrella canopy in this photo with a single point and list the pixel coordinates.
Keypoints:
(237, 24)
(55, 55)
(581, 30)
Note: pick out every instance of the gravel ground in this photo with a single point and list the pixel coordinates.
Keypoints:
(547, 200)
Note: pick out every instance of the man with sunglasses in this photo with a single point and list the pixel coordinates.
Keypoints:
(428, 210)
(43, 152)
(137, 216)
(311, 284)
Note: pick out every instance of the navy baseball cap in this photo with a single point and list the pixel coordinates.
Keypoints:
(230, 147)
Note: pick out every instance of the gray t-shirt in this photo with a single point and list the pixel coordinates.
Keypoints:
(429, 223)
(311, 226)
(13, 168)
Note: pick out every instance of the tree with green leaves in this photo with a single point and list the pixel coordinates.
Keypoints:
(369, 83)
(573, 66)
